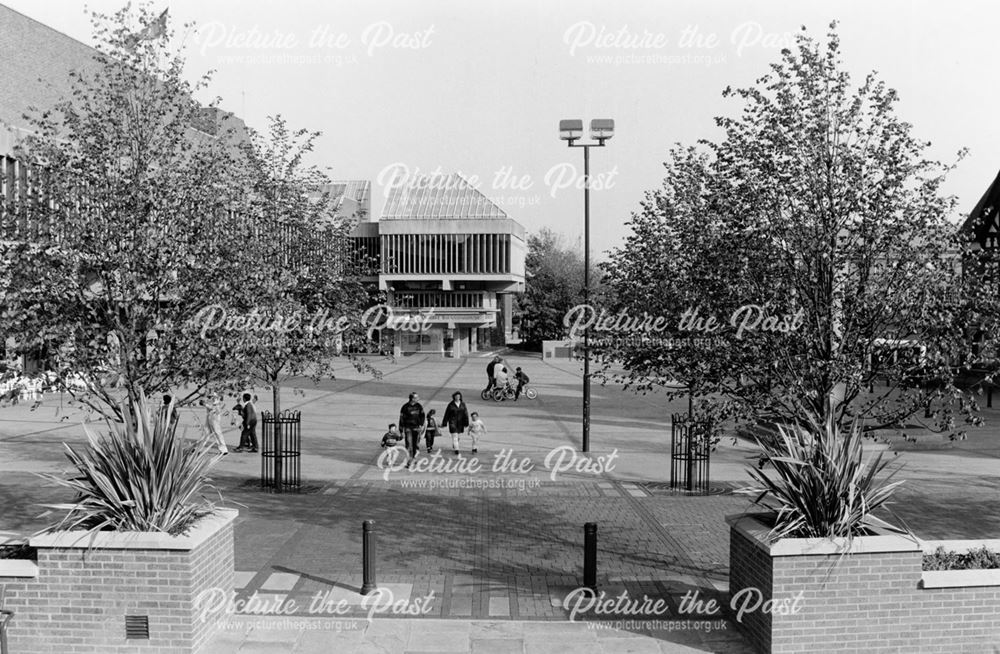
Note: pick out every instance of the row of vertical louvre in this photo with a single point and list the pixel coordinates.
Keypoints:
(446, 253)
(452, 300)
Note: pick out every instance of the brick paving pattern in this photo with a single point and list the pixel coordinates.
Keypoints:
(499, 559)
(485, 553)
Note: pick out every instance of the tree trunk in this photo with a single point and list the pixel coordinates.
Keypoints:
(279, 445)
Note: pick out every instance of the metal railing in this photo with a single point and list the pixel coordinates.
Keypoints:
(280, 453)
(690, 447)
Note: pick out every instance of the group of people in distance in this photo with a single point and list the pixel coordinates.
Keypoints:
(498, 376)
(245, 409)
(414, 425)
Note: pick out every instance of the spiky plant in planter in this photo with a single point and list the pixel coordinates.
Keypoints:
(820, 485)
(140, 476)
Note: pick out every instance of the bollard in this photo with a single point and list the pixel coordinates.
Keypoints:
(368, 557)
(590, 555)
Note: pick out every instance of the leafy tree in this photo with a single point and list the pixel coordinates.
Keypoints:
(554, 285)
(677, 258)
(819, 206)
(300, 301)
(122, 225)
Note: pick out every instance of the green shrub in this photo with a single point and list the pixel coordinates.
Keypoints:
(140, 476)
(820, 486)
(978, 559)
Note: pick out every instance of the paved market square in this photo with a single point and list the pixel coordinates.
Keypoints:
(486, 559)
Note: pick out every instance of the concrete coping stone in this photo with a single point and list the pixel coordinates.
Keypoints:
(200, 532)
(751, 526)
(959, 578)
(18, 569)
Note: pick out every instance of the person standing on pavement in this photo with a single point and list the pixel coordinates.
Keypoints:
(456, 416)
(249, 435)
(411, 423)
(213, 423)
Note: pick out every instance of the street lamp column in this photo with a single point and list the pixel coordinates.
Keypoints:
(601, 129)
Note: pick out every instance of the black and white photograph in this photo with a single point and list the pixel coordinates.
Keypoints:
(499, 327)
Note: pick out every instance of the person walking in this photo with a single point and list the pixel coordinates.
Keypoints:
(456, 416)
(432, 430)
(213, 423)
(411, 423)
(392, 437)
(476, 429)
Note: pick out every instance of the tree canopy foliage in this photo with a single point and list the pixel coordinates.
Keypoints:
(816, 235)
(554, 285)
(138, 207)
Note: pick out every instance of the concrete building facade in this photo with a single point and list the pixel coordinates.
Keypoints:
(449, 261)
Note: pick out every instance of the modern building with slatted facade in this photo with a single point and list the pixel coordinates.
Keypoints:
(440, 250)
(448, 256)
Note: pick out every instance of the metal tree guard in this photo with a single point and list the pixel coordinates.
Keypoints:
(690, 445)
(280, 452)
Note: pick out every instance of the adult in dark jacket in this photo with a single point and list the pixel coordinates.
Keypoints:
(456, 416)
(411, 423)
(248, 430)
(490, 371)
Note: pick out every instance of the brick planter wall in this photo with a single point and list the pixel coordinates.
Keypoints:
(83, 590)
(875, 598)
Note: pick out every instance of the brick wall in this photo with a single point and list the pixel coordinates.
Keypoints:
(81, 596)
(863, 601)
(212, 569)
(753, 571)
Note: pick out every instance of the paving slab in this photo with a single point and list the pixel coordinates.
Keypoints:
(492, 551)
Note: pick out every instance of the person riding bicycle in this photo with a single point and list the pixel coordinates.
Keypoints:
(490, 368)
(522, 381)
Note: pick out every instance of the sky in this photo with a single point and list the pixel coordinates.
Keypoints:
(401, 87)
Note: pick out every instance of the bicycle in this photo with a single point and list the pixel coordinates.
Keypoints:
(508, 393)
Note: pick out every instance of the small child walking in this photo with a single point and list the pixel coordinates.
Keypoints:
(391, 437)
(476, 429)
(431, 430)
